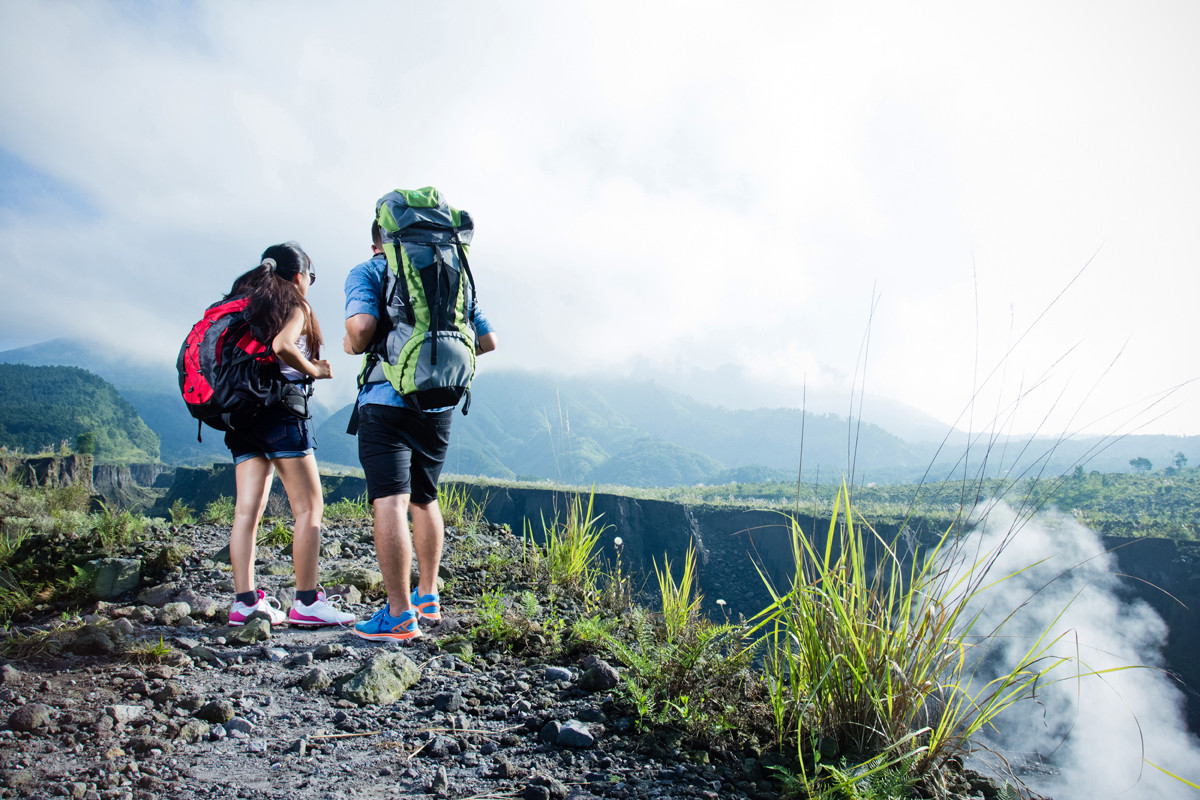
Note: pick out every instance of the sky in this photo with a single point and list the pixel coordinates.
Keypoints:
(985, 212)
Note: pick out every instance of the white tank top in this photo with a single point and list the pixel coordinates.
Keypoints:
(291, 373)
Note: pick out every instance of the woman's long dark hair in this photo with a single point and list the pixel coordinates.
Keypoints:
(274, 295)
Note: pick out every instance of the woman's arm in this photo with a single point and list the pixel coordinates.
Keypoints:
(285, 348)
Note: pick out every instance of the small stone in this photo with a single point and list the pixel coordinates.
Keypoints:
(9, 674)
(206, 655)
(113, 577)
(239, 724)
(300, 660)
(599, 677)
(575, 734)
(256, 629)
(441, 783)
(172, 614)
(550, 731)
(554, 674)
(193, 730)
(147, 744)
(316, 680)
(30, 717)
(329, 650)
(202, 606)
(124, 714)
(448, 701)
(170, 691)
(216, 711)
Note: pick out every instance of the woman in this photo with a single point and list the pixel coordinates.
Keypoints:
(277, 440)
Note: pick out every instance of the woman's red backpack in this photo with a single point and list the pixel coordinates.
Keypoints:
(226, 374)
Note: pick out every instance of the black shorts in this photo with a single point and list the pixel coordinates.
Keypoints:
(401, 452)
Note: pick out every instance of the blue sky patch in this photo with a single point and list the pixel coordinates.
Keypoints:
(26, 189)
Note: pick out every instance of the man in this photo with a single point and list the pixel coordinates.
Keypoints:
(401, 451)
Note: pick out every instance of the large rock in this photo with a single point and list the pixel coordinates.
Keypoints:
(159, 596)
(383, 680)
(362, 578)
(113, 577)
(257, 629)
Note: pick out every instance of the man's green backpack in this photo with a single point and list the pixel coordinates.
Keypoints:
(425, 344)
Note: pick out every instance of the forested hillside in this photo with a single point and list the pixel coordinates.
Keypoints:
(43, 407)
(635, 433)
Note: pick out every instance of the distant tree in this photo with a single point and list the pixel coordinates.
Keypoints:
(1078, 473)
(1180, 460)
(85, 443)
(1141, 464)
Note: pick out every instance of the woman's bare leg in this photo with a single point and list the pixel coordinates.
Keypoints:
(302, 483)
(253, 478)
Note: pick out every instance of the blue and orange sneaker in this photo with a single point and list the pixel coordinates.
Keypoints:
(428, 606)
(384, 626)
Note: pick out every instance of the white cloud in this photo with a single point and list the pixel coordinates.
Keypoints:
(696, 181)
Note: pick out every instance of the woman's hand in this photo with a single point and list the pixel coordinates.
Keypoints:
(323, 369)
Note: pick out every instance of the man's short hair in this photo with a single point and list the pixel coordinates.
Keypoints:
(376, 234)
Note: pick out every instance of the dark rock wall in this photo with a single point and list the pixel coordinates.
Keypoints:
(50, 472)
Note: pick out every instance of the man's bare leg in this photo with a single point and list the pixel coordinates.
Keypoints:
(429, 534)
(393, 549)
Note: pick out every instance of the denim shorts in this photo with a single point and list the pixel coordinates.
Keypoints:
(275, 433)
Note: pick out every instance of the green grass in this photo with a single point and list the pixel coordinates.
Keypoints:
(349, 510)
(150, 652)
(277, 535)
(872, 652)
(458, 509)
(567, 554)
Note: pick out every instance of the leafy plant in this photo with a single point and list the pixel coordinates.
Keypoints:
(181, 513)
(150, 652)
(219, 511)
(278, 535)
(116, 529)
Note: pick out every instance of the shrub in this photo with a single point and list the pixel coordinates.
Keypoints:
(181, 513)
(219, 511)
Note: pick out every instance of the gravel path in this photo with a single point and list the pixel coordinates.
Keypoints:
(288, 715)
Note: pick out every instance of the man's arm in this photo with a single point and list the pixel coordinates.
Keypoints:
(485, 344)
(359, 330)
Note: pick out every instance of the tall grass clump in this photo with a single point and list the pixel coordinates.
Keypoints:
(568, 553)
(459, 509)
(349, 510)
(871, 656)
(682, 670)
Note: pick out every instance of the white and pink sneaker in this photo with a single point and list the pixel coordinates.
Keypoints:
(240, 612)
(320, 613)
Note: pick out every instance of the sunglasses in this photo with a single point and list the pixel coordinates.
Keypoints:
(312, 277)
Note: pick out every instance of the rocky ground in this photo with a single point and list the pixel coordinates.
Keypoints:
(152, 696)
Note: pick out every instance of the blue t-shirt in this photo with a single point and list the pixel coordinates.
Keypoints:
(364, 288)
